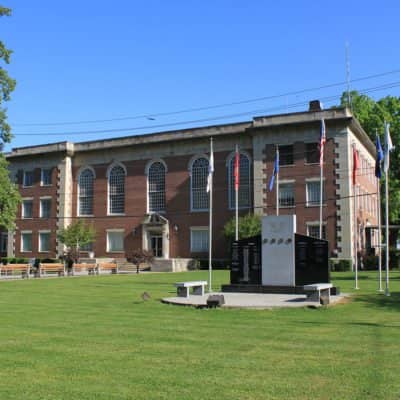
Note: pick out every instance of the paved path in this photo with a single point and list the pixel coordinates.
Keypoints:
(251, 300)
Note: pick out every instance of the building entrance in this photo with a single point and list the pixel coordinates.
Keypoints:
(156, 245)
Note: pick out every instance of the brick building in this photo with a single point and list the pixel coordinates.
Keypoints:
(149, 191)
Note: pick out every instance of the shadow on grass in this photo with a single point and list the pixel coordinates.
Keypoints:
(380, 301)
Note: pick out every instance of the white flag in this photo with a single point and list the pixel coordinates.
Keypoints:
(210, 169)
(388, 147)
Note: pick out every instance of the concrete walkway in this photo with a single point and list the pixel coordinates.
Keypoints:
(251, 300)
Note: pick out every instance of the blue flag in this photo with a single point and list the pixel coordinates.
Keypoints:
(379, 158)
(276, 171)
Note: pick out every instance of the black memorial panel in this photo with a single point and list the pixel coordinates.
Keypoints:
(311, 260)
(246, 261)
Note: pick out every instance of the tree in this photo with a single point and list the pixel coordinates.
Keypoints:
(371, 114)
(9, 196)
(74, 237)
(140, 256)
(249, 225)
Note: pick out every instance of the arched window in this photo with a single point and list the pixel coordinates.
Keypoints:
(244, 195)
(156, 187)
(199, 173)
(116, 190)
(85, 192)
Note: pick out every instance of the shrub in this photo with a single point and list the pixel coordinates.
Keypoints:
(370, 263)
(216, 264)
(340, 264)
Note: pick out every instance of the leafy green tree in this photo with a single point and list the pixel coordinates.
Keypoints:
(75, 236)
(371, 114)
(9, 196)
(249, 225)
(7, 85)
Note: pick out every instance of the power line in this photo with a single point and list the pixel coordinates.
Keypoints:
(209, 107)
(208, 119)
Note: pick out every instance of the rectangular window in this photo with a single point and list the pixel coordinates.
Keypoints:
(115, 241)
(313, 193)
(27, 208)
(28, 178)
(45, 208)
(3, 242)
(44, 241)
(87, 247)
(286, 194)
(312, 153)
(313, 231)
(199, 240)
(286, 155)
(45, 177)
(26, 241)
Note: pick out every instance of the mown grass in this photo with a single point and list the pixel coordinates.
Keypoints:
(95, 338)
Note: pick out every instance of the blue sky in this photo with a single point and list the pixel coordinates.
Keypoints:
(99, 60)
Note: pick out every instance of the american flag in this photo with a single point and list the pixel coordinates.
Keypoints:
(322, 140)
(236, 169)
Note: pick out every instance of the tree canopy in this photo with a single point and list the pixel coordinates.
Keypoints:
(249, 225)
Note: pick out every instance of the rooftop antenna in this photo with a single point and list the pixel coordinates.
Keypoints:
(349, 103)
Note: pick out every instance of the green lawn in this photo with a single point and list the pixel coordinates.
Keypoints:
(94, 338)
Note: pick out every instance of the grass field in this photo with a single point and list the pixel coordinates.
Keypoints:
(95, 338)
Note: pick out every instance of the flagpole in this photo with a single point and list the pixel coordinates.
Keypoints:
(379, 236)
(321, 180)
(387, 292)
(211, 168)
(237, 172)
(355, 166)
(277, 181)
(322, 141)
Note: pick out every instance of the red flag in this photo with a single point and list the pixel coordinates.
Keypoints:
(355, 164)
(322, 141)
(236, 170)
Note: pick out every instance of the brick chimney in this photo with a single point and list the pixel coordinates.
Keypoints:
(315, 105)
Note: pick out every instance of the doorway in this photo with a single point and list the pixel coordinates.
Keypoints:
(156, 245)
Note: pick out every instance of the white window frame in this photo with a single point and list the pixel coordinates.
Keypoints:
(281, 185)
(147, 172)
(192, 161)
(108, 242)
(230, 164)
(31, 171)
(315, 224)
(42, 174)
(78, 202)
(22, 241)
(25, 199)
(110, 168)
(315, 204)
(41, 207)
(195, 229)
(47, 232)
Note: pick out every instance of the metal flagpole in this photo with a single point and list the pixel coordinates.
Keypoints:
(387, 293)
(210, 187)
(355, 166)
(322, 140)
(277, 180)
(321, 180)
(379, 236)
(237, 171)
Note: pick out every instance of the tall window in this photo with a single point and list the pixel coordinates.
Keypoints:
(156, 187)
(85, 190)
(116, 190)
(45, 177)
(27, 208)
(28, 178)
(286, 194)
(199, 240)
(199, 175)
(312, 153)
(3, 242)
(26, 241)
(244, 194)
(286, 155)
(44, 241)
(313, 193)
(45, 208)
(115, 240)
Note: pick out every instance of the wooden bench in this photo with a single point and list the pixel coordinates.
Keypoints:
(319, 292)
(15, 269)
(45, 269)
(184, 287)
(91, 269)
(112, 267)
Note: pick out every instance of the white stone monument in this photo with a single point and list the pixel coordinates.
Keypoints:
(278, 250)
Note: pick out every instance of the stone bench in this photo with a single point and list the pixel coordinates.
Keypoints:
(319, 292)
(184, 287)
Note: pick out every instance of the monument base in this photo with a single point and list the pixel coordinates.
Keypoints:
(246, 288)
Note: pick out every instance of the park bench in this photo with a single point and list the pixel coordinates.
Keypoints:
(91, 269)
(183, 288)
(15, 269)
(111, 267)
(47, 269)
(319, 292)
